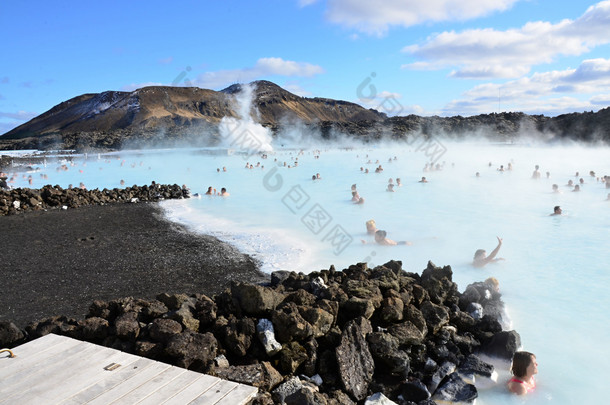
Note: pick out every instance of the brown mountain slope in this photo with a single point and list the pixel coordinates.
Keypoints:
(110, 118)
(178, 115)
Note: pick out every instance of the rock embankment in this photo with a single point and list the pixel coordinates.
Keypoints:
(329, 337)
(19, 200)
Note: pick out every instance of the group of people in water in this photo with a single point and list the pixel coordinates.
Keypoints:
(524, 365)
(212, 191)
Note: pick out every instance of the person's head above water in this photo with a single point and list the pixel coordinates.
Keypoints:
(380, 235)
(523, 368)
(480, 254)
(371, 227)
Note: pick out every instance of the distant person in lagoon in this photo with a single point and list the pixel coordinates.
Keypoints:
(381, 238)
(481, 258)
(523, 368)
(556, 210)
(371, 227)
(224, 192)
(536, 174)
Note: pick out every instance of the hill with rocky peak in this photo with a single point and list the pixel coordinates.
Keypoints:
(177, 115)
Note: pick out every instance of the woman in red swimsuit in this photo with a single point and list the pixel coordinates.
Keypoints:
(524, 367)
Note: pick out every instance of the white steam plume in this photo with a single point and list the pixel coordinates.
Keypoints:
(243, 133)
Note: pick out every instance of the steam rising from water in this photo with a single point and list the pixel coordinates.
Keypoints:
(244, 133)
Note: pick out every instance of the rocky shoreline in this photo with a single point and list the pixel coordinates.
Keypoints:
(328, 337)
(18, 200)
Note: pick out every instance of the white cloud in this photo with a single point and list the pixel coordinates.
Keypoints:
(304, 3)
(135, 86)
(486, 53)
(295, 88)
(263, 67)
(376, 17)
(389, 103)
(166, 61)
(18, 116)
(601, 100)
(552, 92)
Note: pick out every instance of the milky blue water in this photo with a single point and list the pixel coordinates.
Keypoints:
(555, 276)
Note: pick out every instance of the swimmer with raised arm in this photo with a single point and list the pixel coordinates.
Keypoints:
(524, 368)
(481, 258)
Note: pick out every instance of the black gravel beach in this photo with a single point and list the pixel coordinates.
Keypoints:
(57, 262)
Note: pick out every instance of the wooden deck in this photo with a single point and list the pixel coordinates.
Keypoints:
(60, 370)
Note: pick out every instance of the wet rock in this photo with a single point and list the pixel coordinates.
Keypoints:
(24, 199)
(442, 372)
(455, 390)
(354, 359)
(414, 390)
(475, 310)
(474, 365)
(503, 344)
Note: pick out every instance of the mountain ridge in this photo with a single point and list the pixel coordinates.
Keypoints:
(112, 119)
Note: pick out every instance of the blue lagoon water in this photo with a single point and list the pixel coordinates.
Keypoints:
(554, 280)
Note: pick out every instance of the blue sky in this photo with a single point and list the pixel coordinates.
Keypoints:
(433, 57)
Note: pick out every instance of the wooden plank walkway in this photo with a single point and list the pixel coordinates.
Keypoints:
(60, 370)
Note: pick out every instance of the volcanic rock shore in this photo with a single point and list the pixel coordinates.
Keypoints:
(328, 337)
(18, 200)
